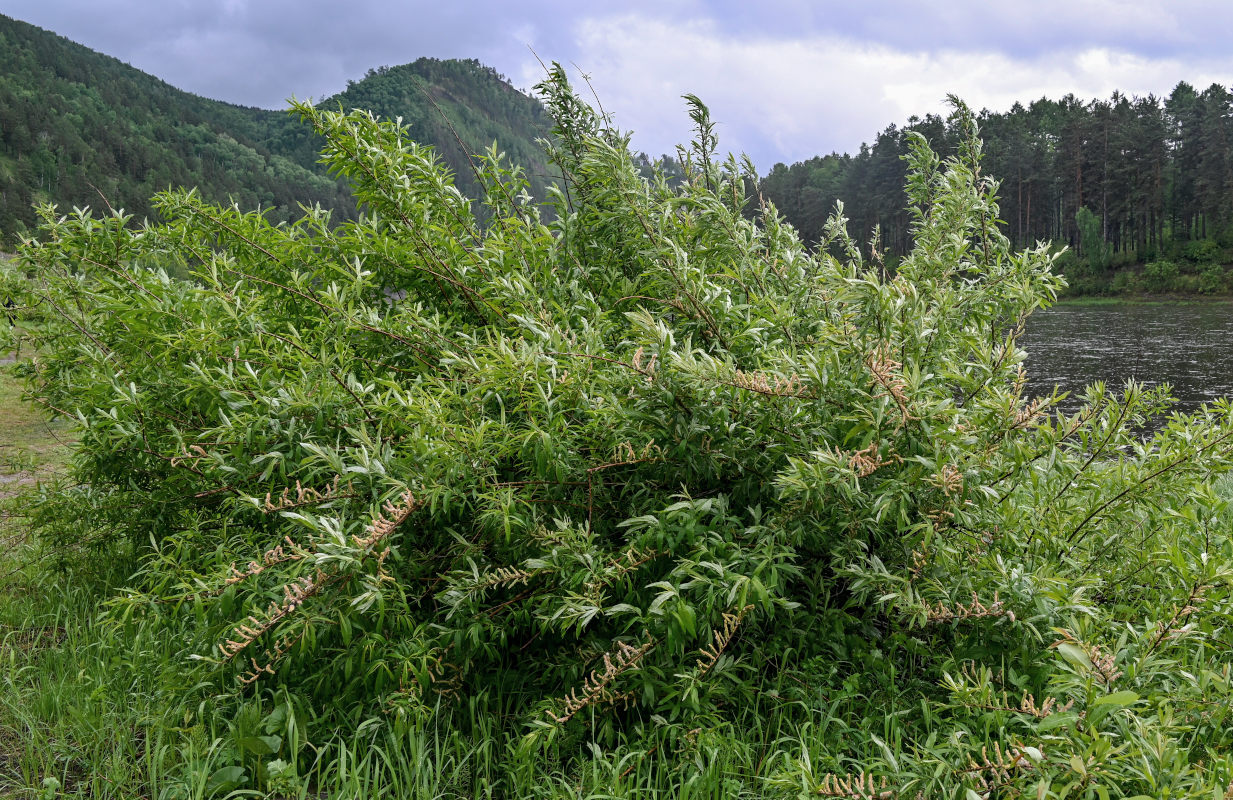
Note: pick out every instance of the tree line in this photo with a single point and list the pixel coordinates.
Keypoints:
(1120, 181)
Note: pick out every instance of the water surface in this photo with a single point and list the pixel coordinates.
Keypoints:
(1188, 345)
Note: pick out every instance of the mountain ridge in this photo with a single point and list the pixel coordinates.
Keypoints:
(80, 128)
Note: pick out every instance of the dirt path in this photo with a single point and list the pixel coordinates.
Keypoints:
(12, 485)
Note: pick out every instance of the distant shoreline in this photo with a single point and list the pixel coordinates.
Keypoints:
(1146, 298)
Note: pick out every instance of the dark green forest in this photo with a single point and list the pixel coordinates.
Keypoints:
(1140, 188)
(77, 126)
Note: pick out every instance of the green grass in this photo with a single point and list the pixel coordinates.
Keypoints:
(70, 721)
(80, 707)
(31, 612)
(81, 713)
(31, 446)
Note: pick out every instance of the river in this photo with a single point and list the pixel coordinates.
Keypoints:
(1188, 345)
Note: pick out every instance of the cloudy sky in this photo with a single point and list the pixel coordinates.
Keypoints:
(786, 79)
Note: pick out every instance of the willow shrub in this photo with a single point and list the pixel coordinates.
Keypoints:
(621, 475)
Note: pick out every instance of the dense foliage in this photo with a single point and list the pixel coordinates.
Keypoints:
(1154, 175)
(78, 128)
(647, 497)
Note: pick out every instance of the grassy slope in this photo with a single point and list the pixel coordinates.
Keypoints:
(28, 447)
(69, 720)
(31, 447)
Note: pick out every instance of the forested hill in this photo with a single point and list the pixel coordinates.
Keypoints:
(1122, 181)
(77, 126)
(442, 103)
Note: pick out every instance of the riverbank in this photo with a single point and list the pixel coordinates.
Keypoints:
(1146, 298)
(1202, 272)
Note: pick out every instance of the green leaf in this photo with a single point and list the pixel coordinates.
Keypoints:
(688, 620)
(1056, 721)
(261, 745)
(1123, 698)
(224, 780)
(1075, 655)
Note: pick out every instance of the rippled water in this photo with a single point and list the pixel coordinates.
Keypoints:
(1188, 345)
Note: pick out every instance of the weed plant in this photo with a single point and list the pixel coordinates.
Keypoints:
(647, 500)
